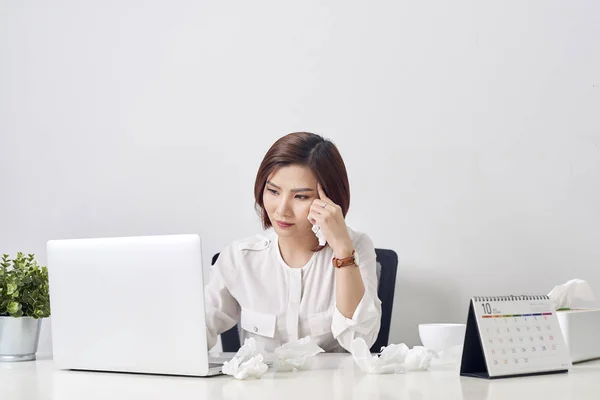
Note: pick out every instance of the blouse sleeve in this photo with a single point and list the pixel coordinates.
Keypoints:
(366, 320)
(222, 309)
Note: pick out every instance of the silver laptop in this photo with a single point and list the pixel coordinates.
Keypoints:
(130, 304)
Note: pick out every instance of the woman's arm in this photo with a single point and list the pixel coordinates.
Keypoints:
(358, 309)
(350, 288)
(365, 319)
(222, 309)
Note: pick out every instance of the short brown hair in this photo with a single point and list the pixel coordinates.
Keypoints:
(313, 151)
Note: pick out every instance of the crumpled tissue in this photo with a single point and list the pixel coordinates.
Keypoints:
(393, 359)
(451, 356)
(292, 356)
(248, 362)
(563, 295)
(317, 231)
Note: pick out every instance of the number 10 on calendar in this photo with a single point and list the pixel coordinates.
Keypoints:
(513, 336)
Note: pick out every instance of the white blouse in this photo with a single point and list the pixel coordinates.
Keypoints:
(274, 303)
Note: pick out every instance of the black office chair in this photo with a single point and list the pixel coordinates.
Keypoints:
(387, 266)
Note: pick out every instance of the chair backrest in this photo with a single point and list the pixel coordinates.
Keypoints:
(387, 266)
(387, 261)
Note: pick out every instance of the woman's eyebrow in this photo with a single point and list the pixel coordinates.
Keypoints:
(293, 190)
(302, 190)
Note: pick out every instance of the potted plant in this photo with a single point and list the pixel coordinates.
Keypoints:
(24, 301)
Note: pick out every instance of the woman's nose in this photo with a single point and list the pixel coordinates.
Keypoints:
(283, 208)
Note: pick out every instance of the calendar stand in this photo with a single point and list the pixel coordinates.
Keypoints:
(509, 336)
(473, 360)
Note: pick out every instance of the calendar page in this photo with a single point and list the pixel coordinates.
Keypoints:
(520, 335)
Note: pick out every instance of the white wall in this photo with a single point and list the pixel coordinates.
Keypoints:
(471, 130)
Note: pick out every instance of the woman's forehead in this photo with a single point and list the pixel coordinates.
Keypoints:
(293, 176)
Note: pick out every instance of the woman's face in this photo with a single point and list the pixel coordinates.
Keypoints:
(287, 197)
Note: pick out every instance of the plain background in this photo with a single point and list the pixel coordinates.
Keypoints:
(470, 129)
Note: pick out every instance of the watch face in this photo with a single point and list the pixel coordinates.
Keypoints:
(356, 260)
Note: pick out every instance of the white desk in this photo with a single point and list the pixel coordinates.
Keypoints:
(337, 377)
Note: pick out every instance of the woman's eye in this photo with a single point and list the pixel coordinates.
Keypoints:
(301, 197)
(272, 191)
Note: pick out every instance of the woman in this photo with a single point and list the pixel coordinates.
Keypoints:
(281, 285)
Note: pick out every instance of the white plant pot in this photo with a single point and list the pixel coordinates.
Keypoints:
(19, 338)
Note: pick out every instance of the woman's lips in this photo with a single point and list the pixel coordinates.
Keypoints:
(283, 224)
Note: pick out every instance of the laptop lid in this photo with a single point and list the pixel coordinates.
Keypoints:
(130, 304)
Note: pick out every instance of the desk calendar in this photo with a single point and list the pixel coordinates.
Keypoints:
(512, 336)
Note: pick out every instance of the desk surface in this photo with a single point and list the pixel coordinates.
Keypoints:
(335, 376)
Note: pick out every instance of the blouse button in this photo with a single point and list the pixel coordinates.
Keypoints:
(255, 329)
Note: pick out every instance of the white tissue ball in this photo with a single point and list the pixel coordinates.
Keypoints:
(440, 337)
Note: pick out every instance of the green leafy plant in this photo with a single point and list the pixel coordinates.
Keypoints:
(23, 287)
